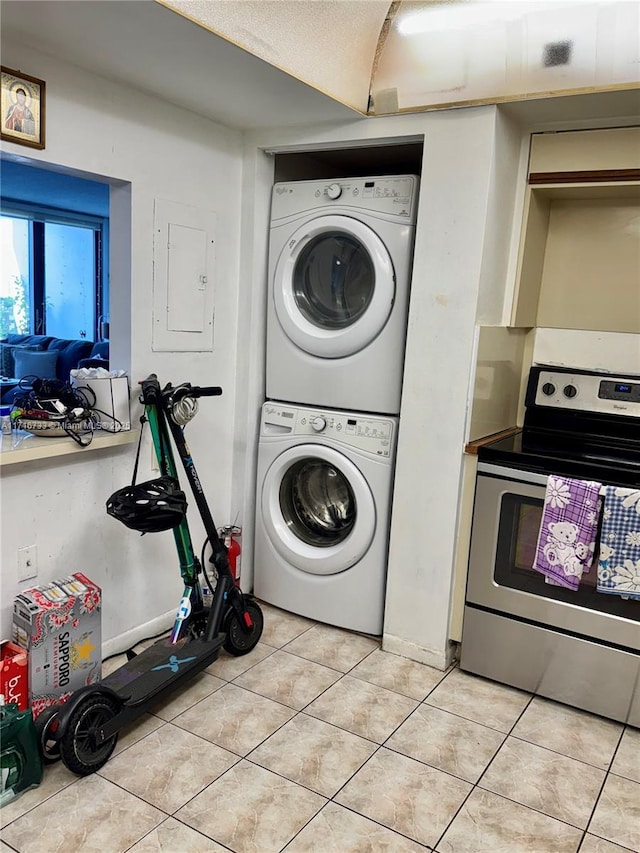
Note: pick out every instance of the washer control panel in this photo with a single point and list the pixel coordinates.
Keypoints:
(364, 432)
(588, 392)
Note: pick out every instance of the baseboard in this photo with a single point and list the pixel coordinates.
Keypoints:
(120, 644)
(439, 659)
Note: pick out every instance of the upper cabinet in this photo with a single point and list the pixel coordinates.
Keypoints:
(579, 255)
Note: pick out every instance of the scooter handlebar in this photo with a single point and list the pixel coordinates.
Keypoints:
(206, 391)
(151, 390)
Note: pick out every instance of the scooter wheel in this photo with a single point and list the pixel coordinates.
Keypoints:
(46, 725)
(78, 748)
(240, 639)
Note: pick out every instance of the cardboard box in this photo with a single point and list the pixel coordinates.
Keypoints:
(112, 401)
(14, 677)
(59, 624)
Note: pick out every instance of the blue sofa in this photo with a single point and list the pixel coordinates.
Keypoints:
(69, 354)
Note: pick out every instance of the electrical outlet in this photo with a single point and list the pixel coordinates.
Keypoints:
(27, 562)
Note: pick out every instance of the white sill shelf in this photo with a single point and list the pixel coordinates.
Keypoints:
(23, 446)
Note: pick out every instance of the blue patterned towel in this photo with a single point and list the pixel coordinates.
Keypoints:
(567, 538)
(619, 564)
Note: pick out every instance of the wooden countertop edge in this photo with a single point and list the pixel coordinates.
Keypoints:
(34, 448)
(472, 446)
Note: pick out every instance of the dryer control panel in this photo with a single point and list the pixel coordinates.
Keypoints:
(392, 195)
(364, 432)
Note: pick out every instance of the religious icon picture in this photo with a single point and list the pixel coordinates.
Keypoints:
(22, 105)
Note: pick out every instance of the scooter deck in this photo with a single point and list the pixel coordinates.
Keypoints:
(161, 665)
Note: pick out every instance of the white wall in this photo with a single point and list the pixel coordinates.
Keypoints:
(97, 127)
(610, 351)
(455, 195)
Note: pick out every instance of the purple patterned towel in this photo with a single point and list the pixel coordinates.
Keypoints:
(567, 537)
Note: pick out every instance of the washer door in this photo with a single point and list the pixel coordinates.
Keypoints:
(317, 509)
(334, 286)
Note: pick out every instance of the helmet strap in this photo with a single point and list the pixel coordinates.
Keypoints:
(164, 468)
(143, 421)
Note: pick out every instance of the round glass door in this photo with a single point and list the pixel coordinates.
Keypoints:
(317, 509)
(333, 280)
(317, 503)
(333, 286)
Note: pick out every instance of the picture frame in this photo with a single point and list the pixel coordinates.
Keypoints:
(22, 108)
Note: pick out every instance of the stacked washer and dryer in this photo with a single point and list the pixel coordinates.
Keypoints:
(340, 258)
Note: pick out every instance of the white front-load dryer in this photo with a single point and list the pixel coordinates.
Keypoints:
(340, 257)
(324, 488)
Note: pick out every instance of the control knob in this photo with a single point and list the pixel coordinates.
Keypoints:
(334, 191)
(548, 389)
(318, 424)
(570, 391)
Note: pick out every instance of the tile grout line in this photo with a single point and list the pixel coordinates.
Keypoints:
(378, 746)
(303, 711)
(476, 784)
(604, 782)
(246, 757)
(604, 770)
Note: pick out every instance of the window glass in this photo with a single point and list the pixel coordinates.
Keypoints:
(15, 294)
(52, 273)
(70, 281)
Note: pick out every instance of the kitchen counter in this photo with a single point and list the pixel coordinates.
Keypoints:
(23, 446)
(472, 446)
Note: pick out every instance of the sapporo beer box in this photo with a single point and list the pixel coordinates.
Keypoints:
(59, 624)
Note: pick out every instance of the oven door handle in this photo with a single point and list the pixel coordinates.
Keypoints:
(515, 474)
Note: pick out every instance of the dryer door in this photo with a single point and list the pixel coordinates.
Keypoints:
(317, 509)
(334, 286)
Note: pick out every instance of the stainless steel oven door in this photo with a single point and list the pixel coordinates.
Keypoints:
(506, 519)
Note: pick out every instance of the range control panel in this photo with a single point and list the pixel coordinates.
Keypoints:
(373, 435)
(586, 391)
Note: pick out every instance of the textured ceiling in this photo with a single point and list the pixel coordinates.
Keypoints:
(328, 44)
(150, 48)
(257, 63)
(407, 55)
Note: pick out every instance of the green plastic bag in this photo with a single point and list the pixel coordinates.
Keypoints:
(20, 758)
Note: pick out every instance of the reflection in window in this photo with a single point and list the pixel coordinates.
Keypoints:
(15, 293)
(51, 281)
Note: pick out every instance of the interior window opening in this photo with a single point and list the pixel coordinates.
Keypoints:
(54, 240)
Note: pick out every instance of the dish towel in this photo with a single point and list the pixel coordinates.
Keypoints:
(619, 563)
(567, 538)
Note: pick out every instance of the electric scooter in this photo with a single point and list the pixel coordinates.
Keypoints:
(83, 731)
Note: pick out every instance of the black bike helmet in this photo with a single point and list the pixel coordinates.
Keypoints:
(149, 507)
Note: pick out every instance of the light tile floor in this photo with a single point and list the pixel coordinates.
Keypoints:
(319, 742)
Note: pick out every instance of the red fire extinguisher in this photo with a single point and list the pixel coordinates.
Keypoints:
(232, 538)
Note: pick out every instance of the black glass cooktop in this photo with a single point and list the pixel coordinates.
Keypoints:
(567, 455)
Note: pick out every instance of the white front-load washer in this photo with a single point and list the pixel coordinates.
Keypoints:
(324, 489)
(340, 255)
